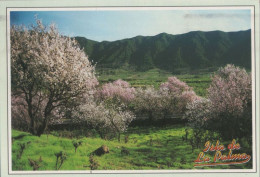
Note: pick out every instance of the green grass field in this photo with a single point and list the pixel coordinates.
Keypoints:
(149, 148)
(199, 81)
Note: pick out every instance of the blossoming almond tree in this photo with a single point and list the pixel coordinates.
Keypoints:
(119, 118)
(231, 96)
(49, 71)
(228, 108)
(199, 112)
(231, 90)
(116, 97)
(94, 115)
(148, 102)
(104, 117)
(178, 94)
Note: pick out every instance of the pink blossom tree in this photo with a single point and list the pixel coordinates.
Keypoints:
(178, 94)
(228, 108)
(108, 110)
(49, 71)
(171, 98)
(231, 96)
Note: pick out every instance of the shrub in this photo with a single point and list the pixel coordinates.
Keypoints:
(36, 164)
(76, 144)
(93, 163)
(60, 158)
(101, 151)
(22, 147)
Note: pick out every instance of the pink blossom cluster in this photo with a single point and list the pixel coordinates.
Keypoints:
(179, 94)
(171, 98)
(228, 108)
(175, 86)
(119, 89)
(231, 90)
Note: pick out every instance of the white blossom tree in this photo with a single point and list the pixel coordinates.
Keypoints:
(104, 116)
(148, 102)
(49, 71)
(199, 112)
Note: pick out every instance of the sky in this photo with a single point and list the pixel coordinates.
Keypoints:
(111, 25)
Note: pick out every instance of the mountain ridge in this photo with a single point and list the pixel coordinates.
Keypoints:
(192, 50)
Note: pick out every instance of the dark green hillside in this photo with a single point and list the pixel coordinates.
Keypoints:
(193, 50)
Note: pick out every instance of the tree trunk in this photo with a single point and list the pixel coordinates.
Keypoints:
(101, 134)
(118, 138)
(33, 127)
(150, 114)
(41, 129)
(47, 113)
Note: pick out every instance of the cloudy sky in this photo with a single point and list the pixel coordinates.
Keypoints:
(111, 25)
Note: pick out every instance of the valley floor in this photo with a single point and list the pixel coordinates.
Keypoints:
(148, 148)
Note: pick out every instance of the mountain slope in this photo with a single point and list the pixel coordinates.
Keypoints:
(193, 50)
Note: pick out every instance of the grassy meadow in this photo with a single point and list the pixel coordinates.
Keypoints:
(148, 148)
